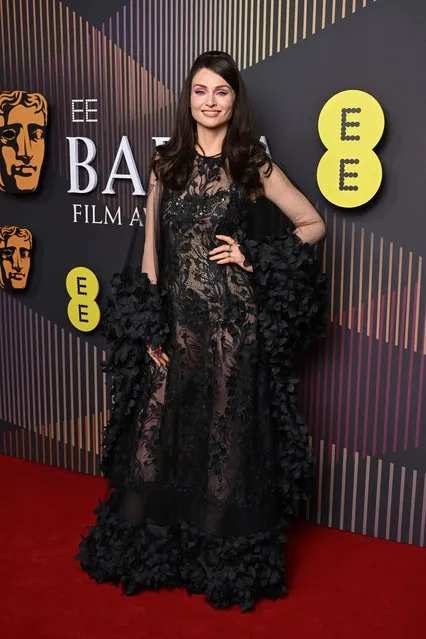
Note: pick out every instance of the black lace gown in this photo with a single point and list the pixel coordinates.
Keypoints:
(207, 457)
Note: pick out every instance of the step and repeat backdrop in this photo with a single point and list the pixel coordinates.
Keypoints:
(87, 89)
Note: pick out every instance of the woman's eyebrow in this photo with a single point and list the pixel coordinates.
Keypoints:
(219, 86)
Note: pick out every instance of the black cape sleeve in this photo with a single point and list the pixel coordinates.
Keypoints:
(291, 294)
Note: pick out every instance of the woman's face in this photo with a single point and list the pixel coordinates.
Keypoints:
(212, 99)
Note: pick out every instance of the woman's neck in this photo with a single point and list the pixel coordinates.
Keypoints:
(210, 141)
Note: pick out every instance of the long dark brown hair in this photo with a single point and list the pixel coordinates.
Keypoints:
(242, 153)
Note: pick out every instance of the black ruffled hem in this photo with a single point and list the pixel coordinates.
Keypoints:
(137, 557)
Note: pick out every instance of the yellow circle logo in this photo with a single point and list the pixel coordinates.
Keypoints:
(350, 125)
(83, 288)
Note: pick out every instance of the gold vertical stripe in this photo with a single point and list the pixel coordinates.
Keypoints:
(343, 488)
(296, 21)
(251, 45)
(264, 31)
(287, 23)
(412, 507)
(216, 25)
(361, 274)
(408, 307)
(257, 32)
(234, 37)
(353, 6)
(279, 19)
(364, 3)
(271, 28)
(304, 18)
(324, 6)
(354, 490)
(314, 16)
(388, 305)
(398, 297)
(210, 25)
(240, 34)
(416, 321)
(401, 504)
(370, 284)
(389, 504)
(366, 494)
(343, 9)
(379, 288)
(331, 491)
(342, 272)
(333, 11)
(219, 26)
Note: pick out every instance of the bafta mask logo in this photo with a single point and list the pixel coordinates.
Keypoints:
(23, 119)
(15, 257)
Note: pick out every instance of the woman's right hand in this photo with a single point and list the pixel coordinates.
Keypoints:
(158, 355)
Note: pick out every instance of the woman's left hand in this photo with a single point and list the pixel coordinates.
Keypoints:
(229, 253)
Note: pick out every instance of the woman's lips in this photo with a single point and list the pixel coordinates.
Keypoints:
(211, 114)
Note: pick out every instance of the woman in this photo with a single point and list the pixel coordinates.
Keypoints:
(205, 452)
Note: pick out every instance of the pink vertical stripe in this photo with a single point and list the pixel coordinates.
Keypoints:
(420, 393)
(399, 375)
(388, 374)
(368, 379)
(358, 378)
(378, 373)
(410, 366)
(341, 382)
(349, 384)
(329, 329)
(333, 376)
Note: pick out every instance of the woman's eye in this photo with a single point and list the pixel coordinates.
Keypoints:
(222, 93)
(199, 92)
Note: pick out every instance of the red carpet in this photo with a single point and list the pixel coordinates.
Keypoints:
(342, 585)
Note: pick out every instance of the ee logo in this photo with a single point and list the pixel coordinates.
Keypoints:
(83, 288)
(350, 125)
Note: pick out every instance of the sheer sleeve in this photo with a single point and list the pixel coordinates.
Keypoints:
(309, 224)
(151, 252)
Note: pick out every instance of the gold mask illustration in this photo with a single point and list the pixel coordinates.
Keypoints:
(15, 257)
(23, 119)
